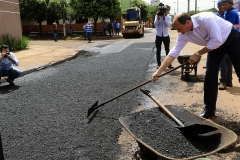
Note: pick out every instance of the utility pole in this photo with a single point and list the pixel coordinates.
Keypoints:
(64, 25)
(214, 4)
(177, 6)
(188, 6)
(174, 7)
(195, 6)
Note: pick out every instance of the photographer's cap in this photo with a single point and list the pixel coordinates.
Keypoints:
(4, 46)
(226, 0)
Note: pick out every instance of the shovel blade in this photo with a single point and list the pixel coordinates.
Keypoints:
(197, 129)
(92, 108)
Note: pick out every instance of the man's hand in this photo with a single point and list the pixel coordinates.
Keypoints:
(4, 55)
(193, 58)
(155, 76)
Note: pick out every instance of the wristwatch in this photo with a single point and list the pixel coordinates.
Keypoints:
(197, 54)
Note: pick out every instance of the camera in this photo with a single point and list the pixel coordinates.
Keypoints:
(8, 53)
(161, 9)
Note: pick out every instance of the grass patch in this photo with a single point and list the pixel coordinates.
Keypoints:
(14, 43)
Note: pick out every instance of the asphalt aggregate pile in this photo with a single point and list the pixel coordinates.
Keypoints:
(158, 131)
(44, 116)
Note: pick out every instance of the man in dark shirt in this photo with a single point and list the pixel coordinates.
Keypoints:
(230, 15)
(54, 29)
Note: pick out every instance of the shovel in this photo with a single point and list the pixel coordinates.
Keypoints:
(194, 129)
(95, 106)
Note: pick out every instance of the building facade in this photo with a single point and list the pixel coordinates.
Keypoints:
(10, 22)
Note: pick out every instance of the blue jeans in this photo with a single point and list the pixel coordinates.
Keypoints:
(55, 36)
(89, 36)
(214, 58)
(12, 73)
(225, 69)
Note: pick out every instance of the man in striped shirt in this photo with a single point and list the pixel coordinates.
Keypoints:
(89, 31)
(218, 36)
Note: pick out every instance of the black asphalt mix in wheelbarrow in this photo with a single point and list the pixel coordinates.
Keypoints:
(160, 132)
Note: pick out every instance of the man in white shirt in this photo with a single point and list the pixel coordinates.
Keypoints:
(7, 60)
(218, 36)
(162, 22)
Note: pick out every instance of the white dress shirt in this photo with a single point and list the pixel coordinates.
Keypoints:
(162, 25)
(7, 64)
(209, 30)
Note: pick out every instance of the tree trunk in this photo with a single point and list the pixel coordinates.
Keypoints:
(95, 25)
(40, 29)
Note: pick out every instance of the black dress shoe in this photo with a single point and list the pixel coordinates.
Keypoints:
(10, 82)
(207, 114)
(170, 66)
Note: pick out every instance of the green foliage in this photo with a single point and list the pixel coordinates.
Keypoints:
(54, 11)
(13, 42)
(40, 10)
(143, 7)
(152, 11)
(24, 42)
(96, 9)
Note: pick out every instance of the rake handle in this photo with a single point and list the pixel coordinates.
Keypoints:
(141, 85)
(135, 88)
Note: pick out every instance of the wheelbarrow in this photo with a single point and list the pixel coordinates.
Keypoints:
(162, 145)
(188, 68)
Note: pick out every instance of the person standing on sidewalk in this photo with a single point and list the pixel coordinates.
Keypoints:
(54, 30)
(7, 60)
(231, 15)
(89, 31)
(117, 26)
(162, 24)
(218, 36)
(84, 31)
(104, 28)
(110, 29)
(113, 25)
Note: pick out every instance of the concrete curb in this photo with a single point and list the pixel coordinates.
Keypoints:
(26, 72)
(50, 64)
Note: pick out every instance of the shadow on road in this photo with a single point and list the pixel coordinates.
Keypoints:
(8, 88)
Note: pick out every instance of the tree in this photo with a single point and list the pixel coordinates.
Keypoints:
(54, 11)
(40, 10)
(28, 12)
(152, 13)
(96, 9)
(143, 7)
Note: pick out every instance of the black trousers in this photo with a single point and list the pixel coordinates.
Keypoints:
(158, 42)
(214, 58)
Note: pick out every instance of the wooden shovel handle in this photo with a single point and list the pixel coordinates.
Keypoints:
(167, 111)
(148, 93)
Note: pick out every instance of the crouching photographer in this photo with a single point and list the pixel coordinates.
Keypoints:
(7, 60)
(162, 23)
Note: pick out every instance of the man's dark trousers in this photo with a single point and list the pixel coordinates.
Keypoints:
(214, 58)
(158, 42)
